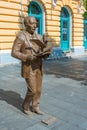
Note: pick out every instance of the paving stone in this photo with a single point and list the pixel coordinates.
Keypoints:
(83, 125)
(66, 126)
(63, 98)
(38, 127)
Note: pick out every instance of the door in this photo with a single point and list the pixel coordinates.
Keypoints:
(35, 11)
(85, 34)
(64, 30)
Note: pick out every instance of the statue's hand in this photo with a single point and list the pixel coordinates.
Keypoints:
(46, 56)
(30, 57)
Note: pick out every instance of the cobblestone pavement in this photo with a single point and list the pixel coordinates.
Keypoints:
(63, 97)
(67, 67)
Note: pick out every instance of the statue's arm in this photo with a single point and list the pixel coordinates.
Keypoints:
(16, 50)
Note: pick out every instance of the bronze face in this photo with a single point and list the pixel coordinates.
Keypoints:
(30, 24)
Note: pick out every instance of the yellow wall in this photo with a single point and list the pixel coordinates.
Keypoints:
(53, 23)
(10, 21)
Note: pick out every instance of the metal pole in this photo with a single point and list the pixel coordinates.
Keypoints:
(79, 6)
(21, 15)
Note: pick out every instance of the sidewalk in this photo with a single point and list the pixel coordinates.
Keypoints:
(62, 98)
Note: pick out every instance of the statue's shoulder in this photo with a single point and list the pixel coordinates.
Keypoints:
(21, 35)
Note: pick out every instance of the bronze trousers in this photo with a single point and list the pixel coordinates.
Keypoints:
(34, 86)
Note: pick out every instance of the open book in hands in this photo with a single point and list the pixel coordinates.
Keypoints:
(44, 52)
(46, 49)
(38, 42)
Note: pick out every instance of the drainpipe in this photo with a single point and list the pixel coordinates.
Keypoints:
(21, 16)
(79, 6)
(53, 2)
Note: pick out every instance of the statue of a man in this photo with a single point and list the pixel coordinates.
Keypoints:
(24, 50)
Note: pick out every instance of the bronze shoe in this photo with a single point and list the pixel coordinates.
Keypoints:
(37, 111)
(27, 112)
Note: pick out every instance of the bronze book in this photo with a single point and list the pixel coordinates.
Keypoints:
(38, 42)
(45, 51)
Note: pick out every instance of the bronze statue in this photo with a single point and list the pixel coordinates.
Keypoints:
(30, 48)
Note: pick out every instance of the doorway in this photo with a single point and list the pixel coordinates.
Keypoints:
(64, 29)
(85, 34)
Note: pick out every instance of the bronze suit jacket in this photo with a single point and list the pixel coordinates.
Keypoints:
(22, 48)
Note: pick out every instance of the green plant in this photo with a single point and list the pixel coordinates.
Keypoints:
(85, 15)
(85, 3)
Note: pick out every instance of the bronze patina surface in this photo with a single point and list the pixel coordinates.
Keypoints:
(30, 48)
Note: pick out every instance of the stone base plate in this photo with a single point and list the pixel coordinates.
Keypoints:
(49, 120)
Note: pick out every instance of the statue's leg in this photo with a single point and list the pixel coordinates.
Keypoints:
(27, 100)
(29, 95)
(36, 97)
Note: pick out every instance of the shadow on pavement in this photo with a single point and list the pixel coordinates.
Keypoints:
(11, 98)
(71, 68)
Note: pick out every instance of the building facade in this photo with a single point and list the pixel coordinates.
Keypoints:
(61, 20)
